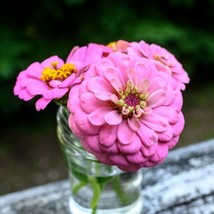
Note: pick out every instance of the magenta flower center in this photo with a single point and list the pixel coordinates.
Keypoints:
(130, 101)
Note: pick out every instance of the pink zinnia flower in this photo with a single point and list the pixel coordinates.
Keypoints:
(164, 61)
(125, 112)
(88, 54)
(51, 80)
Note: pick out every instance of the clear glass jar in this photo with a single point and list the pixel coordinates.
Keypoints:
(96, 187)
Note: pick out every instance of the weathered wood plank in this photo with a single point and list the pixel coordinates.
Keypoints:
(184, 183)
(46, 199)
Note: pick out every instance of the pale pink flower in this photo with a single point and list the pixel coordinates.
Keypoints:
(164, 61)
(50, 80)
(125, 112)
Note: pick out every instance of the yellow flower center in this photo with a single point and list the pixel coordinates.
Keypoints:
(55, 73)
(112, 45)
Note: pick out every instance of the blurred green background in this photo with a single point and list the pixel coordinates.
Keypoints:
(34, 30)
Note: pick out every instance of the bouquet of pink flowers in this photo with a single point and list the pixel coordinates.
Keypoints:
(124, 99)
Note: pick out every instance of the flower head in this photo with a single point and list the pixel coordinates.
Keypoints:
(51, 80)
(124, 99)
(125, 113)
(88, 54)
(164, 60)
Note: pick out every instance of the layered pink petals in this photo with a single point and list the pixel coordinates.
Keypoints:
(97, 117)
(128, 115)
(108, 135)
(113, 118)
(30, 82)
(164, 61)
(124, 99)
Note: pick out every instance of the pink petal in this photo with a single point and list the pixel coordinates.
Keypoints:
(147, 135)
(17, 88)
(103, 96)
(141, 71)
(99, 87)
(170, 96)
(74, 128)
(178, 127)
(165, 136)
(136, 158)
(183, 77)
(93, 142)
(155, 122)
(83, 87)
(54, 83)
(113, 149)
(97, 117)
(90, 103)
(23, 94)
(84, 124)
(156, 84)
(103, 158)
(125, 134)
(34, 70)
(42, 103)
(144, 48)
(178, 101)
(156, 99)
(87, 147)
(130, 148)
(77, 54)
(55, 93)
(114, 77)
(113, 118)
(119, 160)
(134, 123)
(108, 135)
(27, 81)
(129, 168)
(68, 82)
(36, 88)
(162, 68)
(143, 85)
(149, 151)
(172, 143)
(122, 62)
(116, 74)
(131, 75)
(48, 62)
(161, 153)
(167, 112)
(73, 102)
(116, 84)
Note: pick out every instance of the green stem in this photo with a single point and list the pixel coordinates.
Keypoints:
(96, 193)
(118, 189)
(77, 187)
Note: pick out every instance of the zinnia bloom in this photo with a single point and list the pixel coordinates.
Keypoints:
(88, 54)
(125, 112)
(52, 78)
(164, 61)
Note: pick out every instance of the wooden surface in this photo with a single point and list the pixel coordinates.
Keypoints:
(184, 184)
